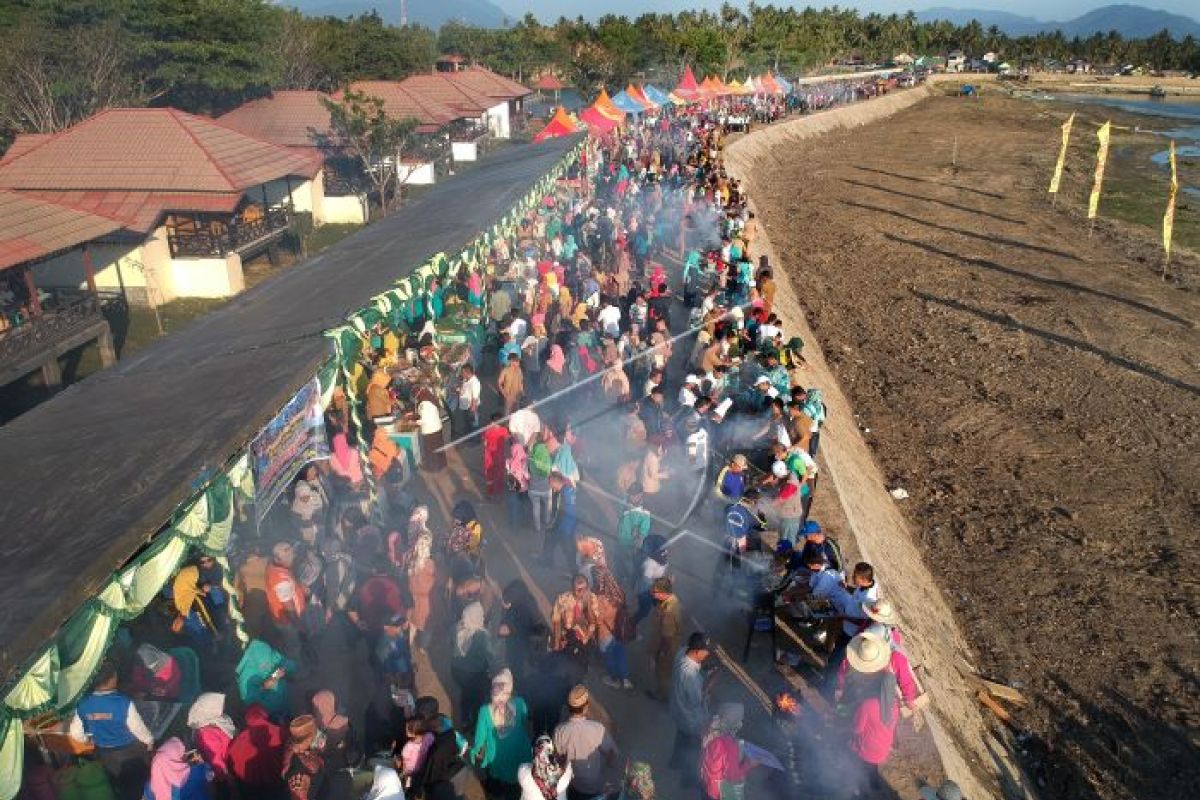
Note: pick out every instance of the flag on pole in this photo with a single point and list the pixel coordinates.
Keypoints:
(1169, 215)
(1101, 159)
(1062, 154)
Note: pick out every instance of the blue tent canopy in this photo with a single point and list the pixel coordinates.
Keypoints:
(783, 84)
(623, 101)
(655, 95)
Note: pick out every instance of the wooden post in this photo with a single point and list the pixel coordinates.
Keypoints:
(89, 269)
(35, 302)
(52, 375)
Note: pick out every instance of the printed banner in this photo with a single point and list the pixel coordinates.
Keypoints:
(293, 438)
(1062, 154)
(1169, 215)
(1101, 159)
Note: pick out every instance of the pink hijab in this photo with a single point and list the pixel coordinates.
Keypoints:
(346, 461)
(557, 359)
(169, 769)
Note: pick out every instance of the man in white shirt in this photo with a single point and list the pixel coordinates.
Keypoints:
(524, 424)
(470, 393)
(610, 320)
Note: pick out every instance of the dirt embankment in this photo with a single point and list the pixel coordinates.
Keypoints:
(1037, 394)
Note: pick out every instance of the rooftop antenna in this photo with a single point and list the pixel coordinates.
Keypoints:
(403, 13)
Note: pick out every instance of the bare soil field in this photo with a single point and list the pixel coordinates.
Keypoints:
(1037, 394)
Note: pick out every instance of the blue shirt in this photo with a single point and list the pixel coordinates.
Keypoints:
(566, 511)
(103, 717)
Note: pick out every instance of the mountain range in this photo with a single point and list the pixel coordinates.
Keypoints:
(1132, 22)
(430, 13)
(1129, 20)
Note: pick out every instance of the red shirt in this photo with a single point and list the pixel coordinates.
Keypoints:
(721, 760)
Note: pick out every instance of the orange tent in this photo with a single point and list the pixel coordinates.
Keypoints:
(559, 125)
(596, 121)
(604, 105)
(637, 95)
(769, 85)
(720, 86)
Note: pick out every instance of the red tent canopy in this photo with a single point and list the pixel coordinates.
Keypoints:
(559, 125)
(769, 84)
(687, 88)
(604, 105)
(719, 86)
(548, 83)
(596, 121)
(637, 95)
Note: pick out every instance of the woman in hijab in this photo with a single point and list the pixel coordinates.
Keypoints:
(422, 573)
(156, 674)
(723, 769)
(519, 623)
(339, 751)
(638, 783)
(173, 776)
(555, 377)
(610, 603)
(386, 785)
(256, 755)
(303, 766)
(516, 480)
(212, 731)
(502, 736)
(471, 662)
(262, 678)
(547, 776)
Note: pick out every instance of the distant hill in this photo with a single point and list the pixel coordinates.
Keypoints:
(1132, 22)
(431, 13)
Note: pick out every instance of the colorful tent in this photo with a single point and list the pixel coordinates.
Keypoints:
(720, 86)
(736, 88)
(626, 103)
(656, 96)
(596, 121)
(559, 125)
(769, 85)
(687, 88)
(637, 94)
(605, 106)
(784, 86)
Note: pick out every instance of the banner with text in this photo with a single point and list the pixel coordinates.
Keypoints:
(293, 438)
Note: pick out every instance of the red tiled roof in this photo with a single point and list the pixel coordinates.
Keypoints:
(151, 150)
(549, 83)
(402, 102)
(288, 118)
(140, 211)
(482, 80)
(442, 89)
(35, 229)
(23, 144)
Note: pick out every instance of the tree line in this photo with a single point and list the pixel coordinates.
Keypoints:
(63, 60)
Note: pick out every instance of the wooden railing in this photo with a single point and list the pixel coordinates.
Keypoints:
(65, 314)
(233, 237)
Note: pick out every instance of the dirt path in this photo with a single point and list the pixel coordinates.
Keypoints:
(1036, 394)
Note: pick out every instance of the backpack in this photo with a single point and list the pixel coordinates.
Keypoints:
(540, 462)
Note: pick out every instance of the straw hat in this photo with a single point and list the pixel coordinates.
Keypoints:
(882, 611)
(867, 653)
(303, 730)
(578, 697)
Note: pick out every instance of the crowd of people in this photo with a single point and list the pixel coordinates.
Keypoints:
(636, 295)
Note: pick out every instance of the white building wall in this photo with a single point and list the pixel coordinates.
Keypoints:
(207, 277)
(348, 209)
(498, 121)
(464, 151)
(417, 174)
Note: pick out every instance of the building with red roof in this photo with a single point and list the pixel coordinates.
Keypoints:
(189, 198)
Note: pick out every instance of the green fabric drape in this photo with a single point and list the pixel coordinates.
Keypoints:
(12, 756)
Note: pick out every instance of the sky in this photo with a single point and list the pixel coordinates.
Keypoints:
(1047, 10)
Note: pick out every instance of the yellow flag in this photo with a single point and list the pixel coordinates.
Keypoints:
(1101, 158)
(1062, 154)
(1169, 215)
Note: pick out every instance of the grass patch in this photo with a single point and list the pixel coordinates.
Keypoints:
(328, 235)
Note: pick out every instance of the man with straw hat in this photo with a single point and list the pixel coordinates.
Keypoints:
(587, 746)
(874, 682)
(303, 765)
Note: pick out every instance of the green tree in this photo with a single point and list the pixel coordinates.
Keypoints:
(376, 141)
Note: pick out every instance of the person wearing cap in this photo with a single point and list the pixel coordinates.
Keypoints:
(689, 391)
(393, 650)
(863, 593)
(874, 682)
(816, 540)
(303, 765)
(789, 502)
(689, 706)
(743, 522)
(723, 768)
(587, 746)
(109, 720)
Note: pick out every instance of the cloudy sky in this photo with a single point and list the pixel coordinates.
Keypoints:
(1055, 10)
